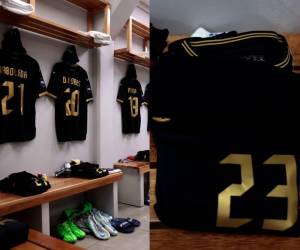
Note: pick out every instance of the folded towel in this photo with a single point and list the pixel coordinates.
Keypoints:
(100, 37)
(18, 7)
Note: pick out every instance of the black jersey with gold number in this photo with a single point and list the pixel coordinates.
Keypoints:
(70, 87)
(21, 82)
(130, 96)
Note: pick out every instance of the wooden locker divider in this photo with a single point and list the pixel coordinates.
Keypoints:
(134, 27)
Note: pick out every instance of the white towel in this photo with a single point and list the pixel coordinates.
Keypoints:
(18, 7)
(100, 37)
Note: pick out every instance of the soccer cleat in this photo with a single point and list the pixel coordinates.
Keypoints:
(18, 7)
(65, 233)
(104, 222)
(99, 231)
(82, 224)
(75, 230)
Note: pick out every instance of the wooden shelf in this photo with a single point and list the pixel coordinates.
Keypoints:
(60, 188)
(51, 29)
(130, 56)
(134, 27)
(140, 29)
(90, 4)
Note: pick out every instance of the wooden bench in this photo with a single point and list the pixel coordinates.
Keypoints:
(131, 187)
(96, 190)
(39, 241)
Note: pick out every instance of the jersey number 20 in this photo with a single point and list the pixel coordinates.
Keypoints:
(72, 104)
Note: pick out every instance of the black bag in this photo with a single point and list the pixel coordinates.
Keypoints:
(24, 184)
(142, 155)
(88, 170)
(12, 233)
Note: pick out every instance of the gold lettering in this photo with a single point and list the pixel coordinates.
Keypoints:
(224, 198)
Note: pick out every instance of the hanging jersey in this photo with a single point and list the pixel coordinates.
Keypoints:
(21, 82)
(146, 99)
(70, 87)
(130, 96)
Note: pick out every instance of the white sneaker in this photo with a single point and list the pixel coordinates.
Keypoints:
(18, 7)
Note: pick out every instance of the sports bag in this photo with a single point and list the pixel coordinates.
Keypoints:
(24, 184)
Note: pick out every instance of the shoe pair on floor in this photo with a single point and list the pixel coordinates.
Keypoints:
(98, 223)
(17, 6)
(69, 232)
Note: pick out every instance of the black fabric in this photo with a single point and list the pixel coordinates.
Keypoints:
(24, 184)
(21, 83)
(158, 42)
(12, 42)
(70, 55)
(142, 155)
(147, 103)
(256, 46)
(70, 86)
(88, 170)
(204, 111)
(12, 233)
(130, 96)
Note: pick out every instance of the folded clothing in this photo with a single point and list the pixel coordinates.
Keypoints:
(12, 233)
(18, 7)
(24, 184)
(100, 37)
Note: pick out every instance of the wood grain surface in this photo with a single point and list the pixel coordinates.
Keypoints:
(61, 187)
(173, 239)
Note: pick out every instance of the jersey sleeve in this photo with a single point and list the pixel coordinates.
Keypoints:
(121, 97)
(146, 95)
(39, 82)
(53, 85)
(140, 94)
(87, 89)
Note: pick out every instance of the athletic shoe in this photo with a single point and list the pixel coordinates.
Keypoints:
(109, 217)
(65, 233)
(99, 231)
(75, 230)
(82, 224)
(104, 222)
(18, 7)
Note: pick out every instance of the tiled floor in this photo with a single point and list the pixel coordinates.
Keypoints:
(138, 240)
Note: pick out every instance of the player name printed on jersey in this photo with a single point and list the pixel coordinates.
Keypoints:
(70, 87)
(21, 82)
(130, 96)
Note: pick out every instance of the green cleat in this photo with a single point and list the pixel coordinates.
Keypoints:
(76, 230)
(65, 233)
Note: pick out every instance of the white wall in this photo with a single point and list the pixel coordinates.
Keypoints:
(183, 17)
(44, 153)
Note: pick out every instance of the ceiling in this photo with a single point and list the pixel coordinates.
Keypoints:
(183, 17)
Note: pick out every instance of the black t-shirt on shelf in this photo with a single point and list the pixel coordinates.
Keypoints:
(21, 83)
(130, 96)
(70, 87)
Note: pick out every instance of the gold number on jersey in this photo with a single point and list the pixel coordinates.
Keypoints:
(21, 86)
(134, 106)
(11, 92)
(10, 86)
(224, 198)
(72, 105)
(288, 191)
